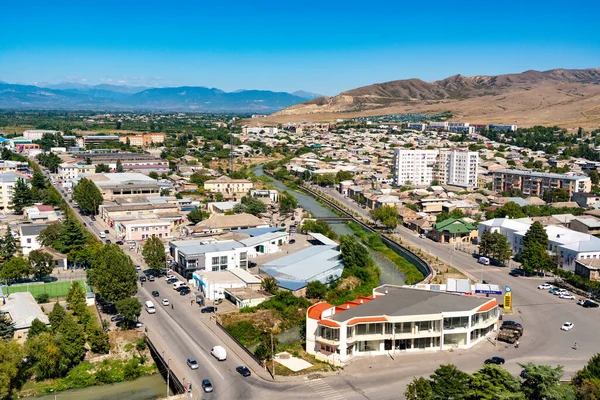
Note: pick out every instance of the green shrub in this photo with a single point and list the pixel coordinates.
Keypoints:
(132, 370)
(81, 376)
(43, 298)
(244, 331)
(140, 344)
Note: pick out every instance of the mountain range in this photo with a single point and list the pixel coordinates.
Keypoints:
(561, 96)
(75, 96)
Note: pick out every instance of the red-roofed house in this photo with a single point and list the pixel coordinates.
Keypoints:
(398, 319)
(41, 213)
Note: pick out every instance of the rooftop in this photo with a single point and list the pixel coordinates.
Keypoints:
(192, 247)
(23, 309)
(540, 174)
(32, 229)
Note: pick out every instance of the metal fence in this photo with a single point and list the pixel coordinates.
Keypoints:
(258, 361)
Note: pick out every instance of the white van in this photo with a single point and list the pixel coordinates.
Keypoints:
(484, 261)
(219, 353)
(150, 307)
(178, 284)
(102, 235)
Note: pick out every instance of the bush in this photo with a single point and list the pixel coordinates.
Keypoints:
(80, 376)
(43, 298)
(132, 370)
(245, 332)
(140, 344)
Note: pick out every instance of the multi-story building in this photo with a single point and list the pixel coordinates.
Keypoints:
(502, 128)
(8, 180)
(436, 125)
(13, 166)
(566, 245)
(96, 140)
(143, 229)
(417, 126)
(37, 134)
(144, 139)
(271, 130)
(226, 185)
(449, 167)
(202, 255)
(26, 147)
(118, 185)
(398, 319)
(533, 183)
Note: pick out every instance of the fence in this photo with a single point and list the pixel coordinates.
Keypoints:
(258, 361)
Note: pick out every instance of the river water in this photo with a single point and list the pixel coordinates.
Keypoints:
(389, 271)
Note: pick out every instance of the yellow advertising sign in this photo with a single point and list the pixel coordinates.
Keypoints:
(508, 301)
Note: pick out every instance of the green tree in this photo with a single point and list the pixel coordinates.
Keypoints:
(101, 168)
(485, 243)
(7, 327)
(318, 226)
(15, 268)
(41, 263)
(44, 354)
(8, 245)
(269, 285)
(536, 234)
(500, 250)
(343, 176)
(239, 208)
(586, 381)
(11, 362)
(448, 382)
(113, 274)
(419, 389)
(555, 195)
(543, 382)
(38, 180)
(253, 205)
(154, 253)
(509, 210)
(76, 299)
(354, 254)
(87, 196)
(287, 202)
(50, 235)
(98, 340)
(594, 176)
(120, 166)
(36, 328)
(199, 179)
(56, 316)
(386, 215)
(73, 236)
(71, 340)
(153, 175)
(22, 196)
(197, 215)
(130, 308)
(493, 382)
(316, 290)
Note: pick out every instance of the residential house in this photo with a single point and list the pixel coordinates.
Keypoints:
(454, 231)
(40, 213)
(21, 309)
(29, 235)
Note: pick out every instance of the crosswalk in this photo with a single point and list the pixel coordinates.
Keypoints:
(323, 389)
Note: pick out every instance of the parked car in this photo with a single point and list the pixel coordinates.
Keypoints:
(108, 241)
(142, 278)
(151, 278)
(244, 371)
(207, 386)
(209, 309)
(192, 363)
(117, 318)
(93, 218)
(423, 236)
(567, 296)
(590, 304)
(494, 360)
(292, 241)
(155, 293)
(581, 301)
(516, 272)
(106, 231)
(560, 291)
(171, 280)
(165, 302)
(545, 286)
(554, 290)
(184, 291)
(119, 242)
(567, 326)
(138, 267)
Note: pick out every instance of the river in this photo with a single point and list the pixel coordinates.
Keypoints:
(389, 271)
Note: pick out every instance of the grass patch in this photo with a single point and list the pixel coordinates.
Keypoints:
(54, 289)
(374, 242)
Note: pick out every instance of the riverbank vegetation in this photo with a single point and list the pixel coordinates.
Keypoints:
(373, 241)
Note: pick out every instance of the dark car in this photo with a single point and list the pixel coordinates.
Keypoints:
(119, 242)
(107, 241)
(243, 371)
(292, 241)
(209, 309)
(117, 318)
(512, 323)
(93, 218)
(516, 272)
(172, 280)
(106, 231)
(142, 278)
(590, 304)
(84, 224)
(155, 293)
(494, 360)
(251, 264)
(207, 386)
(184, 291)
(182, 287)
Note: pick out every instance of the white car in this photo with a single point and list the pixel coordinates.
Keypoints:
(545, 286)
(567, 296)
(561, 291)
(165, 302)
(567, 326)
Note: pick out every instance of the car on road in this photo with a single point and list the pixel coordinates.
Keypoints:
(554, 290)
(151, 278)
(142, 278)
(106, 231)
(516, 273)
(581, 301)
(209, 309)
(93, 218)
(84, 224)
(590, 304)
(171, 280)
(155, 293)
(132, 246)
(567, 296)
(567, 326)
(207, 386)
(423, 236)
(192, 363)
(184, 291)
(252, 264)
(119, 242)
(108, 241)
(138, 267)
(292, 241)
(494, 360)
(165, 302)
(560, 291)
(545, 286)
(244, 371)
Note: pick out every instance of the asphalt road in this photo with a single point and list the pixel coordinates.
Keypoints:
(182, 333)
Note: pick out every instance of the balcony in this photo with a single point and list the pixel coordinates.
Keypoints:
(330, 341)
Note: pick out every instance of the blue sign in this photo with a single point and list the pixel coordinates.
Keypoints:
(507, 289)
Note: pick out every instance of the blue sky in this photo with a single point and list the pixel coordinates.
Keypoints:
(322, 46)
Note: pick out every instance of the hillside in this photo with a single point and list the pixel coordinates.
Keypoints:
(557, 96)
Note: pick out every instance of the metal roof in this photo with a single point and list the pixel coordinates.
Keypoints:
(23, 309)
(32, 230)
(191, 247)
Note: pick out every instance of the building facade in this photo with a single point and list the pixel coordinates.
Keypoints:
(38, 134)
(8, 180)
(533, 183)
(144, 229)
(398, 319)
(144, 139)
(226, 185)
(204, 255)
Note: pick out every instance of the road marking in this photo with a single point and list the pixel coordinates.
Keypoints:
(324, 390)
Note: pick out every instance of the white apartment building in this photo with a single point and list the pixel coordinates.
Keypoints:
(449, 167)
(567, 244)
(38, 134)
(398, 319)
(438, 125)
(270, 130)
(8, 181)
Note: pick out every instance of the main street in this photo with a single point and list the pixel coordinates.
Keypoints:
(182, 332)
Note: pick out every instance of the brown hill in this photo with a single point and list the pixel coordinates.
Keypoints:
(558, 96)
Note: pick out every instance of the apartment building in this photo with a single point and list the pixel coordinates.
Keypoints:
(96, 140)
(144, 139)
(449, 167)
(416, 126)
(38, 134)
(502, 127)
(398, 319)
(8, 181)
(270, 130)
(226, 185)
(206, 255)
(13, 166)
(143, 229)
(533, 183)
(438, 126)
(70, 171)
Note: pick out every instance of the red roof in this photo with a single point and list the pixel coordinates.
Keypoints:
(355, 321)
(43, 208)
(487, 306)
(316, 310)
(328, 322)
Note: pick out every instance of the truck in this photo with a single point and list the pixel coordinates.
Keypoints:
(508, 335)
